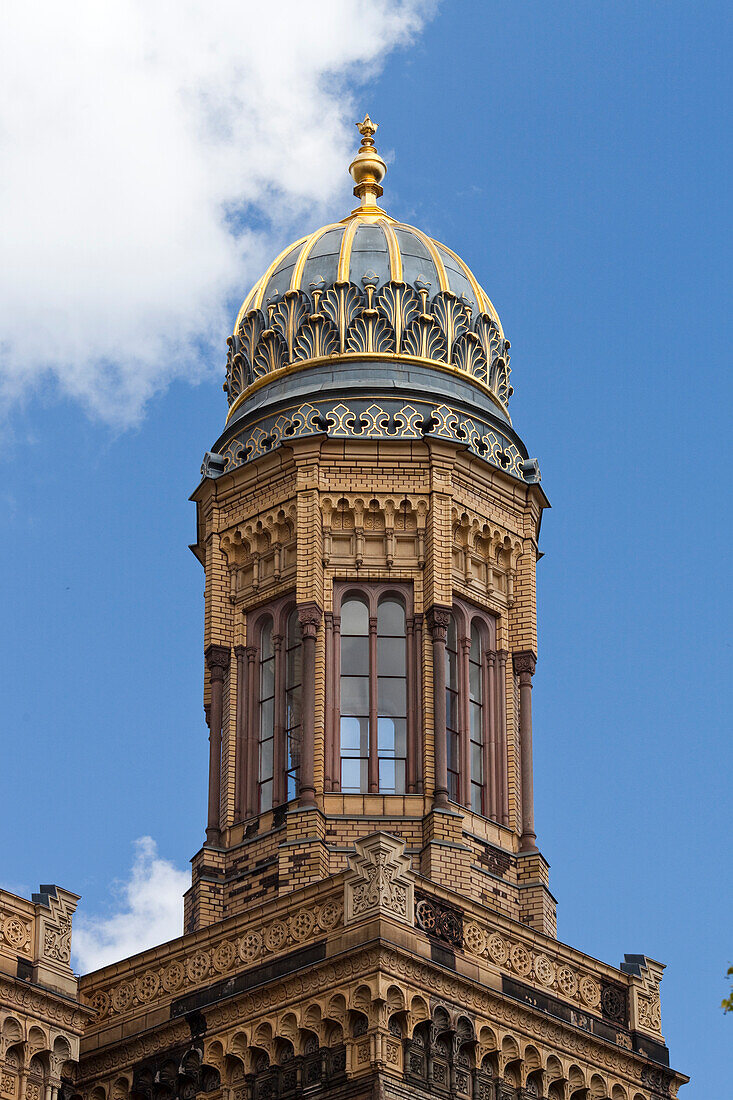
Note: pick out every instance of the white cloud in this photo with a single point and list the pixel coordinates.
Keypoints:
(149, 911)
(142, 143)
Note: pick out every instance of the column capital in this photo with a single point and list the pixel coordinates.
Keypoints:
(438, 620)
(309, 617)
(524, 662)
(217, 660)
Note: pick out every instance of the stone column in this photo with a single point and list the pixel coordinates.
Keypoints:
(524, 666)
(309, 616)
(217, 661)
(438, 619)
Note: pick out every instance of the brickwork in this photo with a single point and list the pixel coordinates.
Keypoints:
(322, 510)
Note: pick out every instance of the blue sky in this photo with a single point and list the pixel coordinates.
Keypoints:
(577, 156)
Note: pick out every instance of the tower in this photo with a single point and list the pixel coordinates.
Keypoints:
(370, 912)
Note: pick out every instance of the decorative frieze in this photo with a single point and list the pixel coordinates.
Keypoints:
(202, 963)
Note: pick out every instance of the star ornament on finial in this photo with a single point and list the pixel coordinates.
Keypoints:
(367, 129)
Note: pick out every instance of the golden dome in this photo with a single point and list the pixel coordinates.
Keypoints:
(367, 288)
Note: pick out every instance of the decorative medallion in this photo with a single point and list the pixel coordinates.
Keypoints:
(301, 924)
(521, 959)
(224, 956)
(173, 976)
(329, 915)
(250, 946)
(15, 932)
(613, 1003)
(147, 985)
(497, 948)
(276, 936)
(544, 970)
(122, 997)
(590, 991)
(567, 983)
(474, 938)
(198, 967)
(100, 1003)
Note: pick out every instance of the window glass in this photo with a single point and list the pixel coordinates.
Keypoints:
(452, 732)
(390, 619)
(391, 683)
(266, 717)
(354, 656)
(354, 617)
(366, 688)
(392, 695)
(476, 717)
(354, 688)
(391, 657)
(293, 682)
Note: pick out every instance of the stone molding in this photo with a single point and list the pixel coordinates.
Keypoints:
(43, 1006)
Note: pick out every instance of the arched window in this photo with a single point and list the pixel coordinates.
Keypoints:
(476, 717)
(266, 707)
(373, 693)
(475, 758)
(354, 695)
(269, 710)
(293, 680)
(452, 712)
(391, 695)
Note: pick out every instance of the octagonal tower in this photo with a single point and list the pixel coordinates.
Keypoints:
(368, 523)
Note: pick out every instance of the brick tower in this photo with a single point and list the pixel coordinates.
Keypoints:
(370, 914)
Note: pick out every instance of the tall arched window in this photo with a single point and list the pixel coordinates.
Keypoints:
(391, 695)
(476, 717)
(354, 695)
(373, 693)
(452, 712)
(292, 724)
(269, 710)
(266, 707)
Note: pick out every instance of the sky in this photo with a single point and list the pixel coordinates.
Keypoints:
(576, 155)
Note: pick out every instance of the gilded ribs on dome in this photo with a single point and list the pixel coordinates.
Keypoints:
(376, 321)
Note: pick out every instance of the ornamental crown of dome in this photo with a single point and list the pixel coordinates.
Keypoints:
(367, 288)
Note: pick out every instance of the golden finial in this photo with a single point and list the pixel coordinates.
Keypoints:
(368, 169)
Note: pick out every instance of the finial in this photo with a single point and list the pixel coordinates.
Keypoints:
(367, 168)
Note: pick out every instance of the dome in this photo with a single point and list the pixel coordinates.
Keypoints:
(353, 319)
